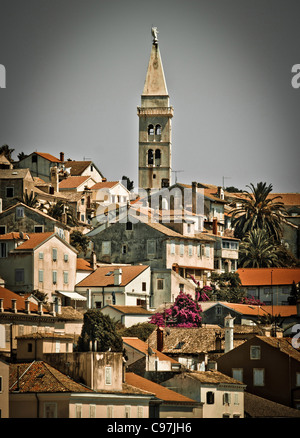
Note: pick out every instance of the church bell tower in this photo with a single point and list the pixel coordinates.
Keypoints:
(155, 116)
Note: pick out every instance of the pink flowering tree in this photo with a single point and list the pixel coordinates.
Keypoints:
(201, 294)
(185, 312)
(251, 301)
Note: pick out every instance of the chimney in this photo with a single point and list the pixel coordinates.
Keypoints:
(53, 309)
(218, 340)
(88, 298)
(54, 178)
(93, 261)
(194, 197)
(40, 308)
(220, 192)
(27, 306)
(62, 156)
(1, 305)
(117, 277)
(160, 339)
(215, 226)
(14, 305)
(228, 332)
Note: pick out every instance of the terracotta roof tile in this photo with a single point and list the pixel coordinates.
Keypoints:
(133, 310)
(83, 265)
(160, 391)
(34, 240)
(212, 376)
(101, 276)
(263, 277)
(48, 157)
(104, 185)
(258, 407)
(8, 296)
(41, 377)
(72, 182)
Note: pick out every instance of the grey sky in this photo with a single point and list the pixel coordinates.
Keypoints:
(76, 70)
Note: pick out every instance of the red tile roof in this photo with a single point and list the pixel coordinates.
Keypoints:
(83, 265)
(100, 277)
(40, 377)
(35, 239)
(131, 310)
(143, 347)
(160, 391)
(255, 310)
(72, 182)
(104, 185)
(8, 296)
(48, 157)
(263, 277)
(13, 236)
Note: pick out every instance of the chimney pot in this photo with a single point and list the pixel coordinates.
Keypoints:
(160, 339)
(62, 156)
(117, 277)
(14, 305)
(27, 306)
(1, 305)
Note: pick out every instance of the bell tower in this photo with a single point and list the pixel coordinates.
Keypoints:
(155, 116)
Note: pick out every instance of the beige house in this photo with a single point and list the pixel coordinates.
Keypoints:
(84, 168)
(222, 396)
(33, 346)
(127, 315)
(13, 184)
(38, 261)
(40, 163)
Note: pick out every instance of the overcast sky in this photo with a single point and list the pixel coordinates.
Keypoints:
(75, 71)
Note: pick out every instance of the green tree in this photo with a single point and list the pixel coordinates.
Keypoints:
(258, 210)
(127, 183)
(140, 330)
(7, 151)
(99, 332)
(21, 156)
(227, 286)
(79, 241)
(57, 211)
(257, 250)
(31, 200)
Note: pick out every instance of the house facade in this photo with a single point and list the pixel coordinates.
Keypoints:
(222, 396)
(13, 184)
(37, 261)
(40, 164)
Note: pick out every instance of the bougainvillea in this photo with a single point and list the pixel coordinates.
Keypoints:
(201, 294)
(185, 312)
(251, 301)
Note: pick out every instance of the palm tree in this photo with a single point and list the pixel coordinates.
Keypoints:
(30, 200)
(257, 250)
(259, 211)
(57, 211)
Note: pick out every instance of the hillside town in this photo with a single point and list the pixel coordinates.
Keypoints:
(160, 300)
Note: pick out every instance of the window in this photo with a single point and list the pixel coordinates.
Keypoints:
(41, 275)
(150, 157)
(140, 412)
(226, 398)
(127, 411)
(160, 283)
(20, 212)
(150, 130)
(54, 254)
(9, 192)
(199, 250)
(110, 411)
(19, 275)
(144, 286)
(3, 250)
(108, 376)
(172, 248)
(157, 157)
(2, 229)
(237, 374)
(128, 226)
(66, 257)
(182, 249)
(66, 277)
(78, 410)
(92, 411)
(57, 346)
(50, 410)
(236, 398)
(34, 158)
(38, 228)
(207, 250)
(41, 255)
(157, 130)
(29, 347)
(190, 249)
(151, 247)
(106, 247)
(82, 201)
(258, 376)
(210, 398)
(255, 352)
(82, 217)
(124, 249)
(54, 277)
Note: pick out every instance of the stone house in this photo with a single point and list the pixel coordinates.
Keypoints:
(40, 164)
(83, 168)
(171, 255)
(37, 261)
(13, 184)
(22, 218)
(253, 364)
(33, 346)
(222, 396)
(122, 285)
